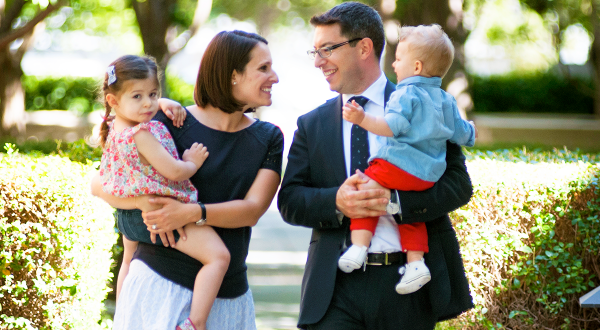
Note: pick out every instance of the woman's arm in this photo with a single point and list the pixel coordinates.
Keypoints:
(231, 214)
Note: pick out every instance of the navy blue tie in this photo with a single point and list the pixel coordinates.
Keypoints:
(359, 142)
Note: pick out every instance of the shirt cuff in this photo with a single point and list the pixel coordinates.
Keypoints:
(340, 216)
(399, 204)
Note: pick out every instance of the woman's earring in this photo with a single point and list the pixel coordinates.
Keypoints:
(235, 82)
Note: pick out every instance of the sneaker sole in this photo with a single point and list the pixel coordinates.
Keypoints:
(348, 265)
(414, 285)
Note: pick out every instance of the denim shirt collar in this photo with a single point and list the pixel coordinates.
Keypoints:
(419, 80)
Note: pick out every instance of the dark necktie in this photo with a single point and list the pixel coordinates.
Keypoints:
(359, 142)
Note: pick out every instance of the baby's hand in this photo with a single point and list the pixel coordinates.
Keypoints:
(353, 113)
(196, 154)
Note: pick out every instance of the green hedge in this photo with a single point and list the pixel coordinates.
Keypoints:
(529, 239)
(61, 93)
(55, 244)
(535, 93)
(81, 94)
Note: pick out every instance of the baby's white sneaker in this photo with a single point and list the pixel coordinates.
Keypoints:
(416, 274)
(353, 258)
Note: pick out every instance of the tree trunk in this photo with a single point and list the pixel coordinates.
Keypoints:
(153, 19)
(595, 56)
(12, 96)
(157, 29)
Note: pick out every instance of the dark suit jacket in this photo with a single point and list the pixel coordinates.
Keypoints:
(314, 172)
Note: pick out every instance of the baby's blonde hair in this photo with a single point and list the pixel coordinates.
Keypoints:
(430, 45)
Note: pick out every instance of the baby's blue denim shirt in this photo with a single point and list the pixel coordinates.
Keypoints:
(423, 117)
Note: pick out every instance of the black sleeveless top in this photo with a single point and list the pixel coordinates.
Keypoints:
(227, 174)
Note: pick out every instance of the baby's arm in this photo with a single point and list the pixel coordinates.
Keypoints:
(173, 169)
(355, 114)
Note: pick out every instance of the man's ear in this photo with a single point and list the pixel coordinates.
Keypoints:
(112, 100)
(366, 47)
(418, 67)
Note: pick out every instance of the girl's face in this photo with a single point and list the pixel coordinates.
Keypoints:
(137, 102)
(253, 87)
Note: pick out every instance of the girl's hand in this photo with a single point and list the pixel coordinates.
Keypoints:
(173, 110)
(196, 154)
(353, 113)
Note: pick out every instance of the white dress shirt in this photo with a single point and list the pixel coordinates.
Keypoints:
(386, 238)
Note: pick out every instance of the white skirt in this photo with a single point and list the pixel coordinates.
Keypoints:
(149, 301)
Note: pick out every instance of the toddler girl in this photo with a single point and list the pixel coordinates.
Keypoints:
(140, 158)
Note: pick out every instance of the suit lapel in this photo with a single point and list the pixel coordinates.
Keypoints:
(389, 89)
(333, 133)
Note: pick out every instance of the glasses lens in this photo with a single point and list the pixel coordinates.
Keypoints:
(311, 53)
(325, 52)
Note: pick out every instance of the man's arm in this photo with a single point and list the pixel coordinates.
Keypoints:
(452, 191)
(302, 202)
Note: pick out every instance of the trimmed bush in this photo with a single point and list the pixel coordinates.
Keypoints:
(61, 93)
(529, 239)
(179, 90)
(55, 244)
(535, 93)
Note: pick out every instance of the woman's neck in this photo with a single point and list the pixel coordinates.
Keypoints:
(219, 120)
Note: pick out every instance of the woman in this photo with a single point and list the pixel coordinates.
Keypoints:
(236, 184)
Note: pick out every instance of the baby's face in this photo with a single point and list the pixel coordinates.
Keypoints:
(405, 64)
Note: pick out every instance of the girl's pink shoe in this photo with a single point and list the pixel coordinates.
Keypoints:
(186, 325)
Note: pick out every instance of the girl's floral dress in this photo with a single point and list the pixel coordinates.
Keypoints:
(124, 175)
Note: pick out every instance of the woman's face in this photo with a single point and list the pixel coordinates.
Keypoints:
(253, 86)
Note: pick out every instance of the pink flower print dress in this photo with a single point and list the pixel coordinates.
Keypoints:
(123, 174)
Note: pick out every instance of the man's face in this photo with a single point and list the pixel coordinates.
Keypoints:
(341, 69)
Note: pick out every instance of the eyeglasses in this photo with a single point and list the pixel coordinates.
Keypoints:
(325, 52)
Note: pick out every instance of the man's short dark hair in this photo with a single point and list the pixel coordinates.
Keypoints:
(356, 20)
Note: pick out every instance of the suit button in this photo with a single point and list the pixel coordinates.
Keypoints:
(424, 210)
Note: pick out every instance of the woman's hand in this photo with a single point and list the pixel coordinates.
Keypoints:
(173, 110)
(170, 215)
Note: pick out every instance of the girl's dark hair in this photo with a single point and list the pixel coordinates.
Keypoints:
(227, 51)
(128, 67)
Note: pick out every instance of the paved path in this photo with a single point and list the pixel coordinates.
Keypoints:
(275, 267)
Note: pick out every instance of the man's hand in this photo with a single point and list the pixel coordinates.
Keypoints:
(355, 203)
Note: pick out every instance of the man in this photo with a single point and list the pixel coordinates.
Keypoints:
(319, 191)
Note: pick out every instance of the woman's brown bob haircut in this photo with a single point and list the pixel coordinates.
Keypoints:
(228, 51)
